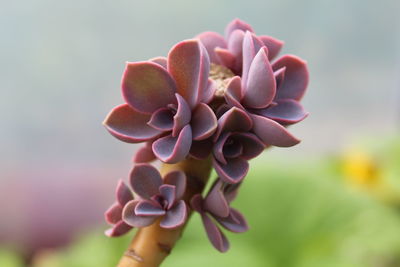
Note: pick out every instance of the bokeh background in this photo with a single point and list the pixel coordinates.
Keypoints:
(330, 201)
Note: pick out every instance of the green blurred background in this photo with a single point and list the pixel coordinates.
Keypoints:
(330, 201)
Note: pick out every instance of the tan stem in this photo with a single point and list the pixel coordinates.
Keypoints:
(152, 244)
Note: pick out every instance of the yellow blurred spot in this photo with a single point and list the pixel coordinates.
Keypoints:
(361, 169)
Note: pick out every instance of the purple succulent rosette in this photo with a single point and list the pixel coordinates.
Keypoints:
(159, 199)
(166, 102)
(114, 214)
(228, 50)
(214, 208)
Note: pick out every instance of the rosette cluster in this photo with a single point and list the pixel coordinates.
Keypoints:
(224, 97)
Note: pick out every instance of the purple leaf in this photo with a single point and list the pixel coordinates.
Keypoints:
(215, 202)
(149, 208)
(175, 217)
(144, 154)
(216, 237)
(113, 214)
(251, 46)
(177, 179)
(233, 94)
(287, 111)
(189, 65)
(168, 193)
(225, 57)
(129, 125)
(147, 86)
(261, 87)
(208, 94)
(235, 222)
(235, 46)
(237, 24)
(171, 149)
(182, 116)
(218, 148)
(233, 171)
(204, 122)
(162, 61)
(211, 40)
(234, 149)
(234, 120)
(130, 218)
(145, 180)
(296, 77)
(118, 229)
(162, 119)
(123, 193)
(274, 45)
(196, 202)
(272, 133)
(279, 76)
(252, 146)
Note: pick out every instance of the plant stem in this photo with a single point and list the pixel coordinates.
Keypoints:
(152, 244)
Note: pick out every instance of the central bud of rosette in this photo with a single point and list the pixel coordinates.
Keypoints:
(221, 76)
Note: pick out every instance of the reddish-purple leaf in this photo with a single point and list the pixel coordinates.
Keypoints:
(182, 116)
(130, 218)
(162, 119)
(177, 179)
(261, 87)
(149, 208)
(171, 149)
(216, 237)
(123, 193)
(233, 171)
(175, 217)
(147, 86)
(114, 214)
(287, 111)
(129, 125)
(204, 122)
(211, 40)
(145, 180)
(274, 45)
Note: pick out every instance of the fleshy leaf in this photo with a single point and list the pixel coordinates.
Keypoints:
(189, 65)
(218, 148)
(145, 180)
(252, 146)
(234, 120)
(233, 94)
(130, 218)
(123, 193)
(237, 24)
(279, 76)
(261, 87)
(215, 202)
(177, 179)
(287, 111)
(235, 46)
(162, 61)
(147, 86)
(233, 171)
(225, 57)
(168, 192)
(211, 40)
(251, 46)
(272, 133)
(149, 208)
(128, 125)
(144, 154)
(235, 222)
(233, 149)
(296, 77)
(196, 202)
(118, 229)
(182, 116)
(171, 149)
(114, 214)
(216, 237)
(204, 122)
(175, 217)
(162, 119)
(208, 94)
(274, 45)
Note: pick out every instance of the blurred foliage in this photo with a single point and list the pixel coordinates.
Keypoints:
(301, 214)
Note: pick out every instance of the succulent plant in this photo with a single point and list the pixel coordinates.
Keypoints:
(158, 198)
(114, 214)
(215, 208)
(213, 99)
(166, 102)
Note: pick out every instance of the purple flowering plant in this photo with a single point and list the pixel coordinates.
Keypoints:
(214, 101)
